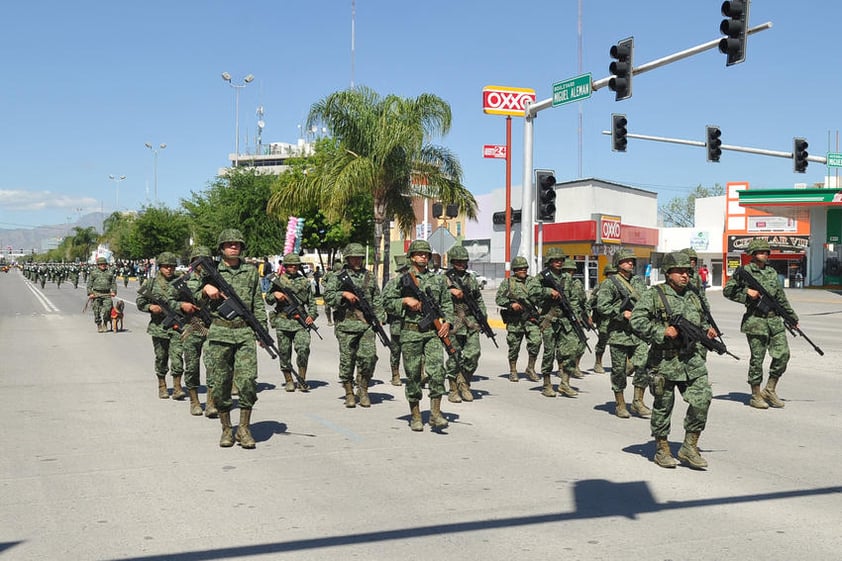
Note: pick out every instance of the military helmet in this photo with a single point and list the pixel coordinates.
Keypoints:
(457, 253)
(400, 262)
(553, 253)
(167, 258)
(569, 264)
(609, 269)
(675, 260)
(520, 262)
(101, 260)
(337, 266)
(200, 251)
(292, 259)
(691, 253)
(622, 255)
(756, 245)
(230, 235)
(354, 250)
(420, 246)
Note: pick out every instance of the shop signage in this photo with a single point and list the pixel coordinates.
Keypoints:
(504, 100)
(609, 229)
(784, 244)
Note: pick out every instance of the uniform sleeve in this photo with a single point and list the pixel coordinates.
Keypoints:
(377, 302)
(333, 294)
(142, 301)
(502, 297)
(446, 302)
(605, 301)
(644, 320)
(733, 290)
(392, 300)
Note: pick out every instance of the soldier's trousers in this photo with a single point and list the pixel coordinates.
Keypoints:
(515, 335)
(169, 355)
(229, 363)
(395, 351)
(423, 350)
(468, 346)
(559, 346)
(298, 339)
(637, 355)
(601, 343)
(356, 349)
(102, 309)
(696, 393)
(192, 346)
(778, 348)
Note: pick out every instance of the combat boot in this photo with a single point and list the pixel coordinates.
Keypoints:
(437, 420)
(303, 386)
(211, 411)
(227, 438)
(365, 400)
(530, 369)
(98, 327)
(350, 401)
(289, 385)
(663, 454)
(244, 436)
(453, 395)
(547, 390)
(768, 393)
(415, 422)
(638, 406)
(597, 365)
(757, 400)
(195, 406)
(621, 410)
(513, 375)
(177, 390)
(564, 387)
(576, 373)
(162, 388)
(689, 451)
(396, 375)
(464, 387)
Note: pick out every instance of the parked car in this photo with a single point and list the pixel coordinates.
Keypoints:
(481, 280)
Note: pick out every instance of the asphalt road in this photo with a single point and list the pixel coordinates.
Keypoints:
(95, 467)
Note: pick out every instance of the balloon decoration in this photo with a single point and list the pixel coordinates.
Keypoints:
(293, 240)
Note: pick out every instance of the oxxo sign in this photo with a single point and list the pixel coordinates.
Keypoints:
(609, 229)
(503, 100)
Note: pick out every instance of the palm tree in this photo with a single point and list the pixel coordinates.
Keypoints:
(382, 148)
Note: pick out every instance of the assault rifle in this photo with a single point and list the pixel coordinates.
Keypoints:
(94, 296)
(628, 302)
(473, 307)
(530, 312)
(691, 334)
(566, 309)
(766, 303)
(172, 319)
(294, 308)
(364, 306)
(234, 307)
(185, 294)
(706, 311)
(433, 315)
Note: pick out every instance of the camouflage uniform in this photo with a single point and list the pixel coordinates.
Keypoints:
(626, 347)
(600, 321)
(395, 323)
(357, 341)
(102, 285)
(559, 337)
(518, 327)
(421, 349)
(765, 331)
(290, 332)
(465, 332)
(165, 342)
(672, 365)
(231, 352)
(583, 310)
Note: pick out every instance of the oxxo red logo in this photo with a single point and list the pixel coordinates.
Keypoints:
(610, 229)
(503, 100)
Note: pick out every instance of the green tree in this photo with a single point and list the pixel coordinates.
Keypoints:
(381, 147)
(117, 230)
(681, 211)
(237, 200)
(157, 229)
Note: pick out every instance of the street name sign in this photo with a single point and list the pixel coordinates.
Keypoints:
(573, 89)
(834, 160)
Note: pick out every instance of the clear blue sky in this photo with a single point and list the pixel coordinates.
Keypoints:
(87, 83)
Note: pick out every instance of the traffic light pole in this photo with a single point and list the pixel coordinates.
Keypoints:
(527, 224)
(749, 150)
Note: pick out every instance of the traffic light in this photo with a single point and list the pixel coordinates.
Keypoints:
(713, 143)
(799, 155)
(618, 132)
(545, 201)
(734, 28)
(621, 69)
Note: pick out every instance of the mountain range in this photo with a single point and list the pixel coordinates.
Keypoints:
(42, 238)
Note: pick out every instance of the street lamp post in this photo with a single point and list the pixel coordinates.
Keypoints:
(117, 179)
(155, 166)
(237, 88)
